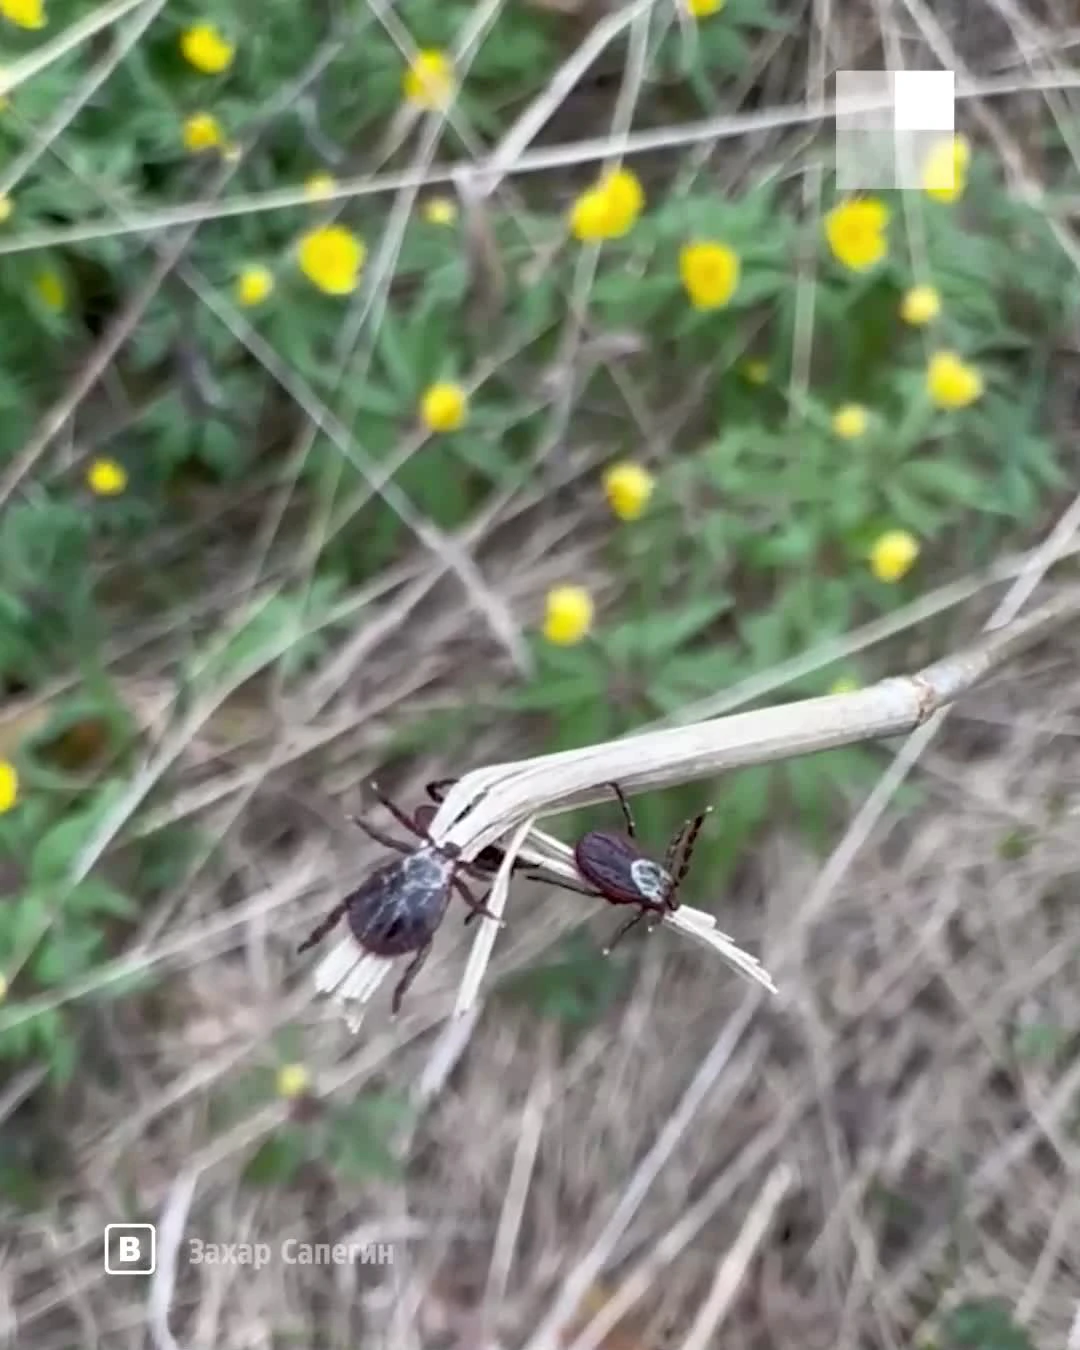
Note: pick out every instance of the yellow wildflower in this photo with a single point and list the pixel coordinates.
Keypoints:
(568, 615)
(202, 131)
(332, 258)
(710, 273)
(253, 285)
(701, 9)
(50, 288)
(3, 988)
(293, 1080)
(320, 185)
(893, 554)
(24, 13)
(106, 477)
(440, 211)
(856, 234)
(850, 421)
(951, 382)
(755, 370)
(628, 487)
(922, 304)
(608, 209)
(429, 81)
(9, 785)
(589, 216)
(844, 684)
(6, 207)
(444, 406)
(944, 173)
(204, 48)
(625, 197)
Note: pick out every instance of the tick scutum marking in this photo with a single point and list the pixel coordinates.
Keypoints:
(651, 880)
(402, 904)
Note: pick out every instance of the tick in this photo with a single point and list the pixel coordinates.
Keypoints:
(619, 872)
(400, 906)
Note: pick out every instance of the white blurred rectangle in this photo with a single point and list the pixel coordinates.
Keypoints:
(924, 100)
(885, 142)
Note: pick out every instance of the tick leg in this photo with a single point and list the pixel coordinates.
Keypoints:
(320, 930)
(380, 838)
(411, 972)
(399, 815)
(438, 790)
(476, 906)
(689, 840)
(622, 932)
(474, 869)
(673, 847)
(568, 886)
(627, 813)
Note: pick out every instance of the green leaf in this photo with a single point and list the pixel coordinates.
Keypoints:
(277, 1160)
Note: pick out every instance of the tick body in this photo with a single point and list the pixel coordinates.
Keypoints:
(400, 906)
(618, 871)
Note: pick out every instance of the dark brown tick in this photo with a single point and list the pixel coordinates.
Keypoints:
(400, 906)
(618, 871)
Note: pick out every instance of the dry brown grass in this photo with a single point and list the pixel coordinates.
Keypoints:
(928, 1155)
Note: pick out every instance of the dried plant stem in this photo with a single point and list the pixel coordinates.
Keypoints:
(487, 803)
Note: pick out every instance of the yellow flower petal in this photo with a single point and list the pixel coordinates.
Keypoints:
(701, 9)
(204, 47)
(440, 211)
(850, 421)
(106, 478)
(856, 233)
(429, 81)
(609, 208)
(7, 206)
(628, 487)
(320, 185)
(202, 131)
(444, 406)
(944, 172)
(293, 1080)
(951, 382)
(709, 272)
(568, 615)
(893, 555)
(50, 288)
(332, 258)
(920, 305)
(844, 684)
(9, 785)
(24, 13)
(253, 285)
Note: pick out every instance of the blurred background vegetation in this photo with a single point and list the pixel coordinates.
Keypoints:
(323, 459)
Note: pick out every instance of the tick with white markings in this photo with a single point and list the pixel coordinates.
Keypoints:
(400, 906)
(619, 872)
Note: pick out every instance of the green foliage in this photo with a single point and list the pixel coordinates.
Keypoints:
(572, 987)
(354, 1140)
(983, 1324)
